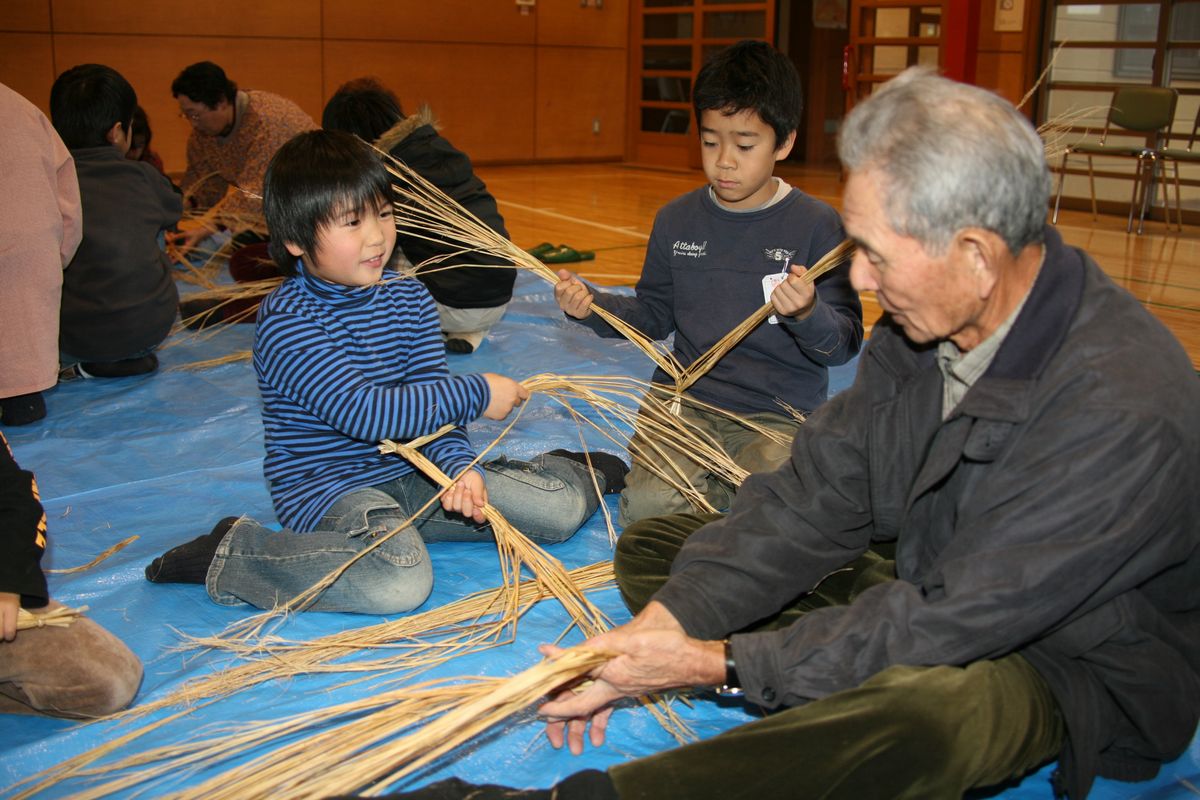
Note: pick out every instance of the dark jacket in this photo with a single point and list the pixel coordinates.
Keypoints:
(1053, 514)
(415, 141)
(22, 532)
(119, 297)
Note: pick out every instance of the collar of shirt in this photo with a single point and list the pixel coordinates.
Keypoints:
(334, 294)
(960, 370)
(782, 188)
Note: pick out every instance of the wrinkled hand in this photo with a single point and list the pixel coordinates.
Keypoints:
(10, 603)
(467, 496)
(573, 295)
(795, 297)
(506, 394)
(652, 654)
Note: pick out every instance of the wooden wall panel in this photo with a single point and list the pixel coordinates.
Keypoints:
(481, 94)
(494, 21)
(234, 18)
(577, 88)
(475, 62)
(1003, 73)
(568, 22)
(24, 15)
(1007, 61)
(27, 66)
(151, 63)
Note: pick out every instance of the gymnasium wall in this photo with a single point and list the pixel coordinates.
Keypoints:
(508, 82)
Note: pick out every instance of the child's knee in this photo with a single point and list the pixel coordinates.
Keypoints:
(395, 577)
(549, 500)
(99, 674)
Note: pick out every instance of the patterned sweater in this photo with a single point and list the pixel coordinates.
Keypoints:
(22, 532)
(263, 123)
(339, 369)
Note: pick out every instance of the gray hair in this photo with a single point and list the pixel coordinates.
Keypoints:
(951, 156)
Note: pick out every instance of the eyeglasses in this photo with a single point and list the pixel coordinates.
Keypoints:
(194, 116)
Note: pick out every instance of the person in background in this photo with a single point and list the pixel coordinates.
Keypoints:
(41, 224)
(234, 134)
(119, 297)
(80, 670)
(471, 290)
(139, 146)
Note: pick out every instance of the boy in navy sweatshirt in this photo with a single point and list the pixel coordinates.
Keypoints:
(715, 256)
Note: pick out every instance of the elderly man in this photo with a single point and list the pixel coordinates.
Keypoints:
(1022, 437)
(234, 135)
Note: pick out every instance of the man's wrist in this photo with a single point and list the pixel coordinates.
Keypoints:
(731, 684)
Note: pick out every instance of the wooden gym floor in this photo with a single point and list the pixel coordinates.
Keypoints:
(609, 209)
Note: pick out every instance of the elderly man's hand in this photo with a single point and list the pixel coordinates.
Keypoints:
(794, 297)
(651, 653)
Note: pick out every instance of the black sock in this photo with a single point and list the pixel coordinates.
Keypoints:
(22, 409)
(189, 562)
(611, 467)
(120, 369)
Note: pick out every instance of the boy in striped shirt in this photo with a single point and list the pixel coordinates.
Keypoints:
(348, 353)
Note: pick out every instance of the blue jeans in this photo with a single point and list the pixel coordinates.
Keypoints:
(547, 499)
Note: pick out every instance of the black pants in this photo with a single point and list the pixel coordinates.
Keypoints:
(919, 732)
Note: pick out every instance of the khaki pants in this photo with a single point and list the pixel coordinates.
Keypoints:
(469, 324)
(912, 732)
(80, 670)
(646, 495)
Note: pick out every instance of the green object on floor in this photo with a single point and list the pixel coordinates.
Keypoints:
(540, 250)
(565, 255)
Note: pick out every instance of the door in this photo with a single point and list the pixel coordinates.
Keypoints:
(668, 42)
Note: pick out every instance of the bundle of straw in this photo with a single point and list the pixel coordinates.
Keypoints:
(415, 643)
(55, 618)
(361, 746)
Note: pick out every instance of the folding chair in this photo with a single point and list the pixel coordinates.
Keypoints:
(1148, 110)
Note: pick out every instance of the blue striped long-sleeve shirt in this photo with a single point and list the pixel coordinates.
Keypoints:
(339, 369)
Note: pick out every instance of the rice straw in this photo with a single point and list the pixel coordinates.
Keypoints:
(56, 618)
(114, 549)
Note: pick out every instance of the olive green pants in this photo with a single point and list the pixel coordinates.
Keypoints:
(919, 732)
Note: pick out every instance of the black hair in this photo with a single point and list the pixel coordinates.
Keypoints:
(311, 179)
(204, 82)
(364, 107)
(751, 75)
(86, 101)
(141, 126)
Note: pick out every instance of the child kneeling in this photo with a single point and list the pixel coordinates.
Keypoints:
(348, 353)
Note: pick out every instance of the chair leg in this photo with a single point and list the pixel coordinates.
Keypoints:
(1148, 170)
(1133, 201)
(1166, 199)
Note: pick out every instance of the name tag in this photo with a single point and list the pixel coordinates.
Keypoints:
(769, 282)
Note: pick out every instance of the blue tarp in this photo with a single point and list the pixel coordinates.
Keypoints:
(166, 456)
